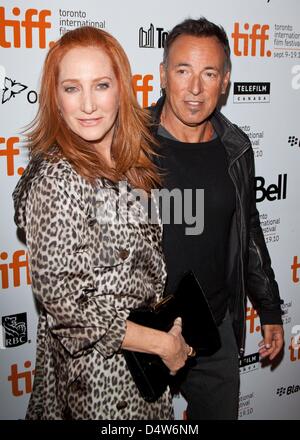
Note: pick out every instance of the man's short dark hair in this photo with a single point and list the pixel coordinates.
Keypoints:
(198, 28)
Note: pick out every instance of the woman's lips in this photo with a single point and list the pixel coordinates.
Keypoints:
(91, 122)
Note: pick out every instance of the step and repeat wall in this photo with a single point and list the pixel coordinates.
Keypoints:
(263, 99)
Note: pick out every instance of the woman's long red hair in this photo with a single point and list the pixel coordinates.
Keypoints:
(131, 148)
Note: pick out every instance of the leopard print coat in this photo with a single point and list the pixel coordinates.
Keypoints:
(87, 273)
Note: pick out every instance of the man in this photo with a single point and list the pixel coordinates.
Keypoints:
(200, 148)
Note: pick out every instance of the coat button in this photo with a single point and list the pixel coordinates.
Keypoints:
(123, 253)
(122, 404)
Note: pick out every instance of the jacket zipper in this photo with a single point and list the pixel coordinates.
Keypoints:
(242, 347)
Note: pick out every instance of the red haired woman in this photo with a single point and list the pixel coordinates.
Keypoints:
(89, 269)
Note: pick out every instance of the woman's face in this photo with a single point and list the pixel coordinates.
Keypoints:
(88, 95)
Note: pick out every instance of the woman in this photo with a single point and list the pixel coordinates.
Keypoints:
(91, 262)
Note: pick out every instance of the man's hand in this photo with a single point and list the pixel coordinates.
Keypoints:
(273, 341)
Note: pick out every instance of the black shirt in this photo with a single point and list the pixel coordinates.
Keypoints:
(191, 166)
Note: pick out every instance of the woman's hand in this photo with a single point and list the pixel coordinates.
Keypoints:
(177, 350)
(170, 347)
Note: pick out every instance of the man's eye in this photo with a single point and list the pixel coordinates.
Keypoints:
(211, 74)
(181, 71)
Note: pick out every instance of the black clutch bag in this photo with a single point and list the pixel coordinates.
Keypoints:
(199, 330)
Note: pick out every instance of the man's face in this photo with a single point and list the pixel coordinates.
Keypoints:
(193, 79)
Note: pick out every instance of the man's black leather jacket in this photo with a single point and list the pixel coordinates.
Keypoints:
(249, 270)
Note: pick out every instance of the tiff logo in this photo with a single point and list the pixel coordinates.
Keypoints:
(9, 152)
(295, 268)
(21, 381)
(295, 344)
(14, 330)
(247, 43)
(146, 38)
(28, 23)
(251, 317)
(19, 261)
(295, 341)
(142, 84)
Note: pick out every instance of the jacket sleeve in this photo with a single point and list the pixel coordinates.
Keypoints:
(63, 278)
(262, 287)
